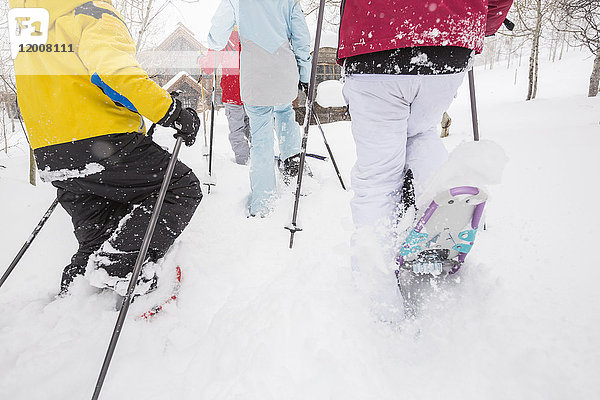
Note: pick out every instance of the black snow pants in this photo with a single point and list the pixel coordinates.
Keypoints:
(115, 206)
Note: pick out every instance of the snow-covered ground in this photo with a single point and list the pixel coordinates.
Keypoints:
(256, 320)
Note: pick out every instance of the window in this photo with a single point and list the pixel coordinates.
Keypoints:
(189, 100)
(326, 72)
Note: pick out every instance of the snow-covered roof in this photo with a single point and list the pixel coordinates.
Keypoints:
(174, 79)
(181, 32)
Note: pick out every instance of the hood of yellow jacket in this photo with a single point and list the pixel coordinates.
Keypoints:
(56, 8)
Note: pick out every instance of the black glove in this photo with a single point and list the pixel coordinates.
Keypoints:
(187, 126)
(509, 24)
(303, 86)
(184, 120)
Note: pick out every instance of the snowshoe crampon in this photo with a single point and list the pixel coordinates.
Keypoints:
(161, 297)
(439, 243)
(290, 167)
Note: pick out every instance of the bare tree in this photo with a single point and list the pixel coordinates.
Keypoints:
(533, 17)
(5, 75)
(312, 6)
(8, 91)
(140, 16)
(332, 10)
(143, 16)
(582, 20)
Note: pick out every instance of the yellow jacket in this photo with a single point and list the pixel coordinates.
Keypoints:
(97, 89)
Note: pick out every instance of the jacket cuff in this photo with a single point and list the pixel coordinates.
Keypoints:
(304, 72)
(171, 115)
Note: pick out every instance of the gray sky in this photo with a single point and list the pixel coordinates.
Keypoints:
(195, 16)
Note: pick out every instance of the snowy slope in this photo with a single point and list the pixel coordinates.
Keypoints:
(256, 320)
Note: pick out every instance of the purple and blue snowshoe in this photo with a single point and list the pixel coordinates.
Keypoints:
(445, 233)
(438, 244)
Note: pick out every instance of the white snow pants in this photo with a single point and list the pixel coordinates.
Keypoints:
(395, 122)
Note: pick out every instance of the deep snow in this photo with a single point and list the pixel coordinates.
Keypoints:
(256, 320)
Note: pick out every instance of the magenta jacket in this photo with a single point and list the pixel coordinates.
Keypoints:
(369, 26)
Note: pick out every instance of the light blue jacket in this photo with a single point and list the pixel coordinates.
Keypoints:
(275, 44)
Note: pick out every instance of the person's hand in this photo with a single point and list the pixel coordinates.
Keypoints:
(185, 121)
(187, 126)
(303, 86)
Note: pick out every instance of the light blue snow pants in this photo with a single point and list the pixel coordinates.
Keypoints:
(262, 155)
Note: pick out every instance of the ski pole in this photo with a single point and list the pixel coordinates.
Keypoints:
(33, 235)
(309, 155)
(293, 227)
(203, 112)
(213, 105)
(137, 268)
(337, 171)
(473, 105)
(316, 156)
(474, 114)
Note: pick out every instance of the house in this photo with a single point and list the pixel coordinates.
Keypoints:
(181, 51)
(178, 52)
(173, 64)
(327, 69)
(191, 91)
